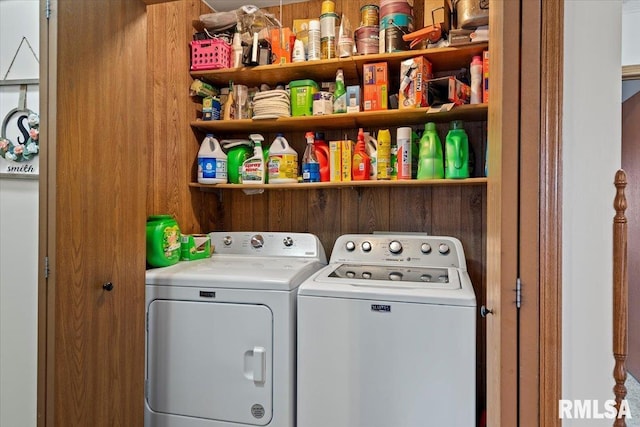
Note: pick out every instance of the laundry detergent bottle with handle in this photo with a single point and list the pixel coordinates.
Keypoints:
(322, 155)
(361, 163)
(212, 162)
(283, 162)
(430, 159)
(253, 168)
(456, 152)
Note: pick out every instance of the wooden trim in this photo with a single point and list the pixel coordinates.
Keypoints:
(620, 293)
(630, 72)
(551, 212)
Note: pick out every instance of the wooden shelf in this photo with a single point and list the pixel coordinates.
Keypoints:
(349, 184)
(443, 59)
(366, 119)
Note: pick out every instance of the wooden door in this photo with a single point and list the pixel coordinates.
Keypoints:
(93, 222)
(631, 165)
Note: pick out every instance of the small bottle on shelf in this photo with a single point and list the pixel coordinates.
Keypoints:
(476, 80)
(310, 165)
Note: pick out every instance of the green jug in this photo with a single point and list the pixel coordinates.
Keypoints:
(456, 152)
(430, 160)
(163, 241)
(237, 152)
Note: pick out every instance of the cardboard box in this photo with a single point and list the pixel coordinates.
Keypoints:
(442, 15)
(335, 161)
(414, 74)
(375, 83)
(301, 30)
(448, 90)
(485, 77)
(353, 99)
(281, 40)
(347, 150)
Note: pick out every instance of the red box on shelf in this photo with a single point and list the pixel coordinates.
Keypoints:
(210, 54)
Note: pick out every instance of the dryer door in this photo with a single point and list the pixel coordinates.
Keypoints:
(210, 360)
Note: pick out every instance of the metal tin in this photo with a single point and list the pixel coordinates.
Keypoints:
(369, 15)
(367, 40)
(328, 47)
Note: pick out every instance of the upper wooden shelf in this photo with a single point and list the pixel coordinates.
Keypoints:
(443, 59)
(365, 119)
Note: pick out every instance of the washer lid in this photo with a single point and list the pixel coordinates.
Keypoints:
(240, 272)
(443, 286)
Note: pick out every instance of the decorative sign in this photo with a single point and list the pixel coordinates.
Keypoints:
(19, 142)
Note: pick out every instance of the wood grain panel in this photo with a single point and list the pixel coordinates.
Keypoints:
(324, 215)
(98, 365)
(410, 210)
(373, 210)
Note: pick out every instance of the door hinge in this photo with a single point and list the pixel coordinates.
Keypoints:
(46, 267)
(47, 9)
(518, 293)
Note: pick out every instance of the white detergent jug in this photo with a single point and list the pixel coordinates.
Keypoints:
(283, 162)
(212, 162)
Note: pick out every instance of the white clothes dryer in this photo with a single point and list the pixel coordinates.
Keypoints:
(220, 340)
(387, 335)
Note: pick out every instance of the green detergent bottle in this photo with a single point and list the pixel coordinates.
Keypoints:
(163, 241)
(456, 152)
(430, 160)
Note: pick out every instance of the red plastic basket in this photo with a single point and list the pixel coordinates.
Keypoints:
(210, 54)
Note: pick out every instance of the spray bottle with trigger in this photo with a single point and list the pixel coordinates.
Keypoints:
(253, 167)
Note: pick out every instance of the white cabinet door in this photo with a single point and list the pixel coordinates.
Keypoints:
(210, 360)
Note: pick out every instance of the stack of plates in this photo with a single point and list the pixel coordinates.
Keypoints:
(271, 104)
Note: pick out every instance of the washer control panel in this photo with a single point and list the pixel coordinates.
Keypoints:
(276, 244)
(401, 249)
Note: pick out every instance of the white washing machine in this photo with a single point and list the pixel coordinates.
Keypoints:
(220, 341)
(387, 335)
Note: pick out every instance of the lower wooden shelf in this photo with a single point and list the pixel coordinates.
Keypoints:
(347, 184)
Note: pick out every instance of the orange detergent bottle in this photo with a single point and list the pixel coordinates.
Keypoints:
(361, 164)
(322, 153)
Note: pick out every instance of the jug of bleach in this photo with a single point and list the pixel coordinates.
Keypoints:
(212, 162)
(253, 167)
(283, 162)
(456, 152)
(430, 159)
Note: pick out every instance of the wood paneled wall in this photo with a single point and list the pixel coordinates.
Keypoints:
(458, 211)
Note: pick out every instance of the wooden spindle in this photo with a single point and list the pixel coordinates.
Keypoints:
(620, 293)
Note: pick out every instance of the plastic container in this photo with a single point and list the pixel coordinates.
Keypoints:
(314, 48)
(237, 152)
(302, 97)
(361, 163)
(322, 155)
(310, 165)
(383, 163)
(283, 162)
(212, 162)
(210, 54)
(253, 168)
(476, 80)
(456, 152)
(403, 142)
(340, 94)
(430, 158)
(163, 241)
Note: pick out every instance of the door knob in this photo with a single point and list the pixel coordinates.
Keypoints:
(484, 311)
(107, 286)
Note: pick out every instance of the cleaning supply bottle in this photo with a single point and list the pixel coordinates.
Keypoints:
(456, 152)
(310, 165)
(340, 94)
(253, 167)
(361, 163)
(212, 162)
(384, 154)
(430, 158)
(238, 150)
(476, 80)
(371, 145)
(403, 155)
(283, 162)
(322, 155)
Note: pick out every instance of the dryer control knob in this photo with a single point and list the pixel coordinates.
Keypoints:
(395, 247)
(350, 245)
(227, 240)
(395, 276)
(425, 248)
(366, 246)
(366, 275)
(288, 241)
(257, 241)
(443, 248)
